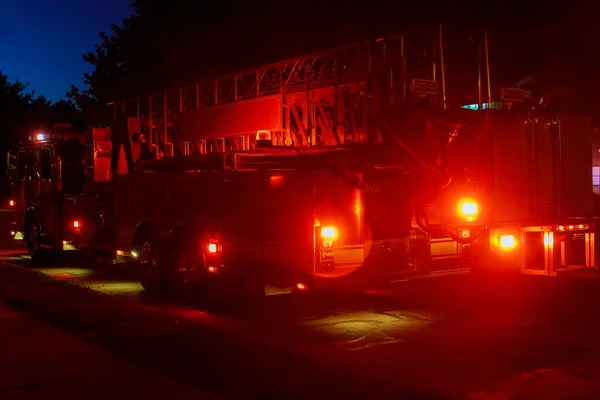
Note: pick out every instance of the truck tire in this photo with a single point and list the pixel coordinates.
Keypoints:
(150, 268)
(38, 254)
(185, 267)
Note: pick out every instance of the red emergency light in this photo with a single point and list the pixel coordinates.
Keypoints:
(328, 235)
(264, 139)
(468, 209)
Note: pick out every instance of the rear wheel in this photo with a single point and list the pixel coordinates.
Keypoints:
(38, 254)
(186, 266)
(149, 263)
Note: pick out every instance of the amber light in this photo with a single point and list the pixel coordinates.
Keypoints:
(562, 228)
(507, 242)
(263, 135)
(11, 203)
(212, 248)
(468, 209)
(328, 235)
(301, 286)
(548, 239)
(328, 232)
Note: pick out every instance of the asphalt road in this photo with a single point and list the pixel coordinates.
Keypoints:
(454, 337)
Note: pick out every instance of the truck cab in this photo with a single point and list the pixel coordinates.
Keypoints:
(47, 173)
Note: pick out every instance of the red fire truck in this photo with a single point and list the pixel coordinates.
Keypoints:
(339, 168)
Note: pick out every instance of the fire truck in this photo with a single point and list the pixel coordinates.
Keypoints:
(366, 163)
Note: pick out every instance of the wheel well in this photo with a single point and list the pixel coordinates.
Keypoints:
(143, 231)
(178, 233)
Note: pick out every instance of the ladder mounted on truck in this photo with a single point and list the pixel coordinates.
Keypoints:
(331, 98)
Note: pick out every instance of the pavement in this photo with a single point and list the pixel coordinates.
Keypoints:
(456, 338)
(42, 362)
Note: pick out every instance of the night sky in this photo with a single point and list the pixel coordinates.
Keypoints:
(43, 41)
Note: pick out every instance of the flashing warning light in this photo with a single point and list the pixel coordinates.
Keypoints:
(76, 224)
(548, 239)
(328, 235)
(301, 286)
(212, 248)
(11, 203)
(468, 209)
(563, 228)
(328, 232)
(212, 269)
(263, 135)
(507, 242)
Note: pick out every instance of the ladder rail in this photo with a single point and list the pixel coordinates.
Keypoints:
(326, 97)
(286, 76)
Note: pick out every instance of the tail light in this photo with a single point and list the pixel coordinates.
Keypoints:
(507, 242)
(213, 258)
(328, 236)
(11, 203)
(468, 210)
(76, 224)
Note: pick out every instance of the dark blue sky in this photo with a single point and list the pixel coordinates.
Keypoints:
(42, 41)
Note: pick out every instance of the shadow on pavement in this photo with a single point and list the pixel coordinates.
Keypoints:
(201, 354)
(460, 295)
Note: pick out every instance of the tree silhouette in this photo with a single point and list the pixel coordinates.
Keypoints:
(24, 112)
(15, 103)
